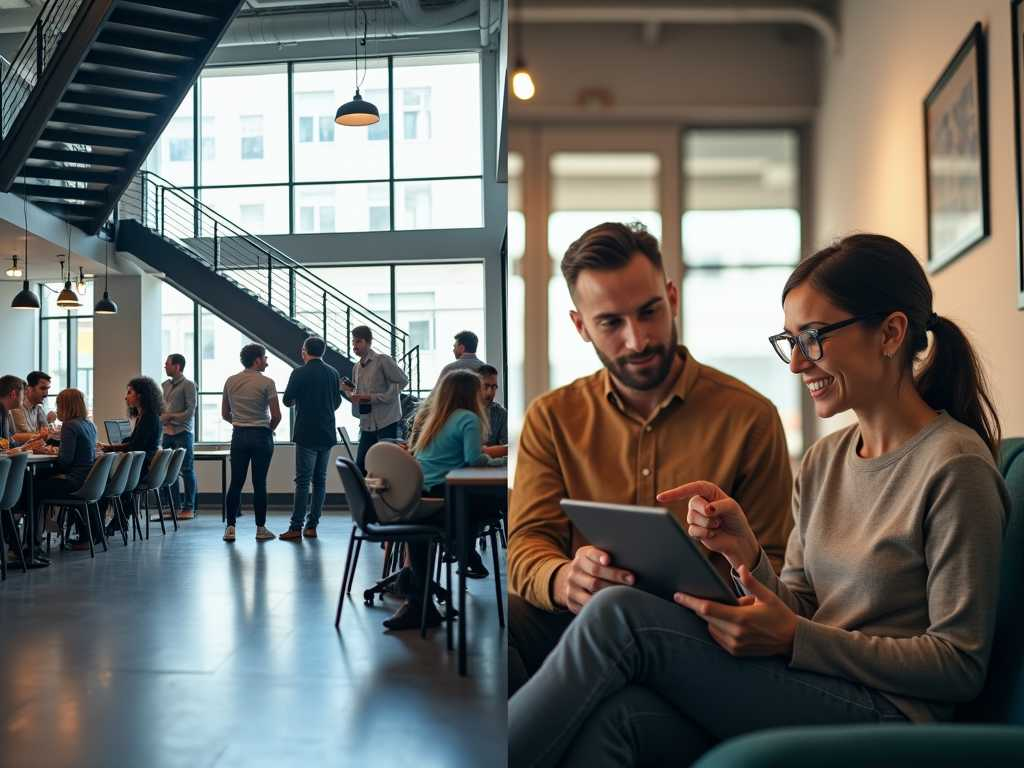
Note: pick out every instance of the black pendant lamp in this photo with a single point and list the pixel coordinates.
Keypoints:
(25, 299)
(68, 299)
(106, 305)
(358, 112)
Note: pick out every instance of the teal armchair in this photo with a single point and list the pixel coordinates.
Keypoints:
(987, 732)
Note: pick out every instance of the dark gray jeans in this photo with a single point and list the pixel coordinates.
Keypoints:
(637, 680)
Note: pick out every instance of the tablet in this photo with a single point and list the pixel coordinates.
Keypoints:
(653, 545)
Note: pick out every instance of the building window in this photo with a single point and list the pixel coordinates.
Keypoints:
(180, 150)
(326, 218)
(66, 342)
(326, 128)
(379, 131)
(305, 129)
(420, 335)
(416, 114)
(252, 137)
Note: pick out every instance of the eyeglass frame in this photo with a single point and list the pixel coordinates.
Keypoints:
(818, 334)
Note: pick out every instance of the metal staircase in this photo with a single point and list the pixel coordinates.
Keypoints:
(89, 92)
(246, 281)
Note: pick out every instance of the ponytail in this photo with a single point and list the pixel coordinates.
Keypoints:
(951, 379)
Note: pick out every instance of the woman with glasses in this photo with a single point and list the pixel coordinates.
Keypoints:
(884, 609)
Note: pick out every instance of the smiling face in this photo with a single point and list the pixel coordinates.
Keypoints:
(854, 369)
(628, 315)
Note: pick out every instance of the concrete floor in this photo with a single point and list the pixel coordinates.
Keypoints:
(187, 651)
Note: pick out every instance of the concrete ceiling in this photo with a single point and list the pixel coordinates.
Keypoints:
(42, 254)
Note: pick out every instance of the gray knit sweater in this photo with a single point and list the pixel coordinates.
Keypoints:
(893, 565)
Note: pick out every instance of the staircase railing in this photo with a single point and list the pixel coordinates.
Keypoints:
(28, 64)
(262, 270)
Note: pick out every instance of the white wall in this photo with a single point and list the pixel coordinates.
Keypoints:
(19, 342)
(870, 163)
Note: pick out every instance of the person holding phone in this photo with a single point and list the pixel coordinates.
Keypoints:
(885, 607)
(375, 393)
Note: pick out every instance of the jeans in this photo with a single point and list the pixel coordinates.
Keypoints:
(368, 439)
(636, 678)
(309, 463)
(532, 634)
(188, 473)
(256, 445)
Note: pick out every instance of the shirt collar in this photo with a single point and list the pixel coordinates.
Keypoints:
(468, 356)
(371, 354)
(683, 384)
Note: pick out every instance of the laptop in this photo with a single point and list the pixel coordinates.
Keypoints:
(118, 430)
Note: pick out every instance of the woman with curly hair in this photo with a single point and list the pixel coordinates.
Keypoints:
(145, 401)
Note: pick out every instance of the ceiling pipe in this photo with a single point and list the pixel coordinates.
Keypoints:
(647, 14)
(413, 11)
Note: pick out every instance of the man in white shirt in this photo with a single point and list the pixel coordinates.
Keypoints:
(32, 419)
(375, 393)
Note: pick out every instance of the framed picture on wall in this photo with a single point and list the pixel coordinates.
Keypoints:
(1017, 14)
(956, 155)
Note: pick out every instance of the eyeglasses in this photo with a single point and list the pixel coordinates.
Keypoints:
(810, 340)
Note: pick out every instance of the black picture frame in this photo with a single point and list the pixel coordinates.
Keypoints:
(956, 155)
(1017, 25)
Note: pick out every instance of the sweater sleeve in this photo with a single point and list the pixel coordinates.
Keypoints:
(68, 446)
(540, 537)
(472, 440)
(291, 389)
(962, 540)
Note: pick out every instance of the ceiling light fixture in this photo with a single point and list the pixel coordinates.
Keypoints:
(358, 112)
(14, 270)
(68, 299)
(106, 305)
(25, 298)
(522, 82)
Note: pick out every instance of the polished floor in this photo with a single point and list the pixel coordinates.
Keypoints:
(186, 651)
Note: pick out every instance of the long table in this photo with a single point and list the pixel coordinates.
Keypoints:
(458, 486)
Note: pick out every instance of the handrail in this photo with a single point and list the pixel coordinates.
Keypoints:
(35, 53)
(264, 246)
(257, 267)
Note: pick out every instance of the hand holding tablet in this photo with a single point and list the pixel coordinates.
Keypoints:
(589, 571)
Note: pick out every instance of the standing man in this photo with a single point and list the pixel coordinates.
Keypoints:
(177, 419)
(497, 416)
(375, 393)
(465, 353)
(32, 419)
(251, 407)
(314, 391)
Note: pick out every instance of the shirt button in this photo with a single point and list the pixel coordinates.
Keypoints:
(645, 471)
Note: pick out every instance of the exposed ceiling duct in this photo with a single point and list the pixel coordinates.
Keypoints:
(409, 19)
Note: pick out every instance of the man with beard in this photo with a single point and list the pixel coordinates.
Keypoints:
(653, 418)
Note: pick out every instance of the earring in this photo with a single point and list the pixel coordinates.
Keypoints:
(889, 354)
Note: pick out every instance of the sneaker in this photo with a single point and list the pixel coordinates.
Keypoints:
(262, 534)
(229, 533)
(292, 534)
(309, 533)
(408, 617)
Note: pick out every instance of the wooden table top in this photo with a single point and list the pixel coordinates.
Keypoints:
(478, 476)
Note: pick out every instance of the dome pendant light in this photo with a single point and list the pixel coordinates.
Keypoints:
(68, 298)
(106, 305)
(358, 112)
(25, 298)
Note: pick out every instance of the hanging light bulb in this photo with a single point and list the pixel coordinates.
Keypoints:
(106, 305)
(358, 112)
(522, 83)
(80, 283)
(14, 270)
(25, 298)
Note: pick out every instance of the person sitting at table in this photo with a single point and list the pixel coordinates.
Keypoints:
(144, 399)
(447, 434)
(75, 457)
(32, 420)
(496, 440)
(11, 389)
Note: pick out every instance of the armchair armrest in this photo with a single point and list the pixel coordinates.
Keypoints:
(936, 746)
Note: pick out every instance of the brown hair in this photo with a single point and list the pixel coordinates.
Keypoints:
(609, 246)
(363, 332)
(9, 384)
(71, 405)
(875, 275)
(456, 389)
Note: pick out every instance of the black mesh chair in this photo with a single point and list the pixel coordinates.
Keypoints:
(5, 470)
(367, 527)
(87, 499)
(10, 496)
(116, 485)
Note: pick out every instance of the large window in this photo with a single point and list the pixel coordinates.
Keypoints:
(420, 167)
(741, 238)
(514, 395)
(588, 188)
(66, 341)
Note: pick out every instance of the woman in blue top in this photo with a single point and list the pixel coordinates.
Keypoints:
(75, 458)
(447, 434)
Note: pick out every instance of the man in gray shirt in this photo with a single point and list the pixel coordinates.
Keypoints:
(375, 393)
(464, 350)
(177, 419)
(32, 418)
(497, 416)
